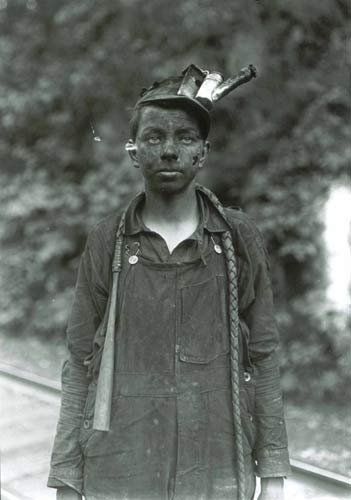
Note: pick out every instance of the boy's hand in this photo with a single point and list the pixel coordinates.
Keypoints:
(67, 493)
(272, 488)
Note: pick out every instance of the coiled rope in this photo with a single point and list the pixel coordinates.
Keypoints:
(229, 254)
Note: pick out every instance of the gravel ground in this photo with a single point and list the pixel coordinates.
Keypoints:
(319, 434)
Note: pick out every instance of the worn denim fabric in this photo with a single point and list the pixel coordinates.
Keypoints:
(172, 431)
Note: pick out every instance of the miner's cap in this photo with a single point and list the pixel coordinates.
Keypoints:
(197, 90)
(180, 90)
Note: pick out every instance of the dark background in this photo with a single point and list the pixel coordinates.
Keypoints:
(279, 145)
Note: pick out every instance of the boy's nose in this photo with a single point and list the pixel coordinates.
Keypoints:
(169, 151)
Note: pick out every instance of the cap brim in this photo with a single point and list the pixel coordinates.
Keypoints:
(185, 101)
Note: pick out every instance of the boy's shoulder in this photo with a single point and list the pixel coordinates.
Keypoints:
(103, 233)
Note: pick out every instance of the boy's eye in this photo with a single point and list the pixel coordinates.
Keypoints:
(187, 139)
(153, 139)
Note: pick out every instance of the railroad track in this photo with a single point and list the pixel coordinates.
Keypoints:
(34, 399)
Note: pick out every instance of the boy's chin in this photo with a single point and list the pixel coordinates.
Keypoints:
(171, 187)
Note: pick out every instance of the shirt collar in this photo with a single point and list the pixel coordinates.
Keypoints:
(210, 219)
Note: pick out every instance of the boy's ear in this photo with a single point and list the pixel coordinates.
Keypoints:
(132, 151)
(204, 153)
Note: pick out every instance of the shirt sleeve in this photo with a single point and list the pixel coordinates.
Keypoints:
(66, 468)
(271, 447)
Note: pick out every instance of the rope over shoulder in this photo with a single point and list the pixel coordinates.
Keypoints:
(117, 257)
(229, 254)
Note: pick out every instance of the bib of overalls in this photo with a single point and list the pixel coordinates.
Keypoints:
(171, 431)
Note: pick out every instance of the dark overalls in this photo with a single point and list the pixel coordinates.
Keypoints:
(171, 431)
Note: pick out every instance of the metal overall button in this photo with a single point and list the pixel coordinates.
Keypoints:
(86, 424)
(247, 376)
(133, 259)
(217, 248)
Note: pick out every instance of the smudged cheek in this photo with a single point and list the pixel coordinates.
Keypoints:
(186, 155)
(149, 156)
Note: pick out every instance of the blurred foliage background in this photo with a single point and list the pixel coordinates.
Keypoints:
(278, 146)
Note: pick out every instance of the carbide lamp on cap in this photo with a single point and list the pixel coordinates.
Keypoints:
(196, 89)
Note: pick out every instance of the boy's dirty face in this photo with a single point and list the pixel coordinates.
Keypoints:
(169, 149)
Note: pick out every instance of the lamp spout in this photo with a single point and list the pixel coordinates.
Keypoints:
(245, 75)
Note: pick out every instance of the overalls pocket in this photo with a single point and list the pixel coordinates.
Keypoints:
(204, 324)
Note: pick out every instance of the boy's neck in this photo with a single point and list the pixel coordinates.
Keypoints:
(174, 216)
(171, 209)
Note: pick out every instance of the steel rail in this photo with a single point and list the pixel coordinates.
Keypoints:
(52, 387)
(320, 474)
(7, 495)
(30, 379)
